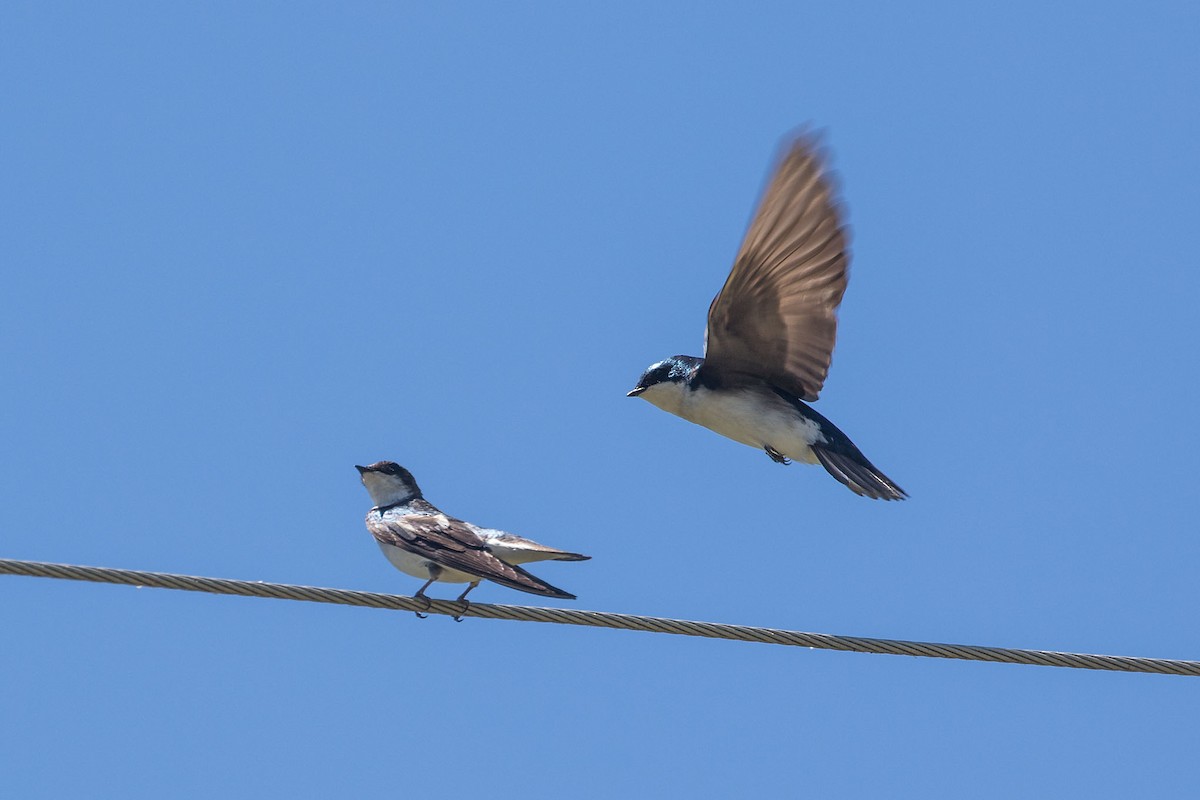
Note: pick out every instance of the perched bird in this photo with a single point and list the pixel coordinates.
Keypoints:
(771, 331)
(423, 542)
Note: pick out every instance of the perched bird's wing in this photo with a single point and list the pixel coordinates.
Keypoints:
(451, 543)
(774, 318)
(513, 549)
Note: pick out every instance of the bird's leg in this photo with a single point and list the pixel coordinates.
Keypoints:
(421, 594)
(776, 456)
(462, 598)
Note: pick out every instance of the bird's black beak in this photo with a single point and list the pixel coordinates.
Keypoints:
(361, 470)
(635, 391)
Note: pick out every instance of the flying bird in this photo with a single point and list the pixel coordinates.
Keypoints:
(421, 541)
(771, 331)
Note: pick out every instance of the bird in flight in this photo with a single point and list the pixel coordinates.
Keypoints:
(421, 541)
(771, 331)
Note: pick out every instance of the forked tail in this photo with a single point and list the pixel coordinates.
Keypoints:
(860, 475)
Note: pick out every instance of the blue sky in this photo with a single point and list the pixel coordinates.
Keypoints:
(249, 246)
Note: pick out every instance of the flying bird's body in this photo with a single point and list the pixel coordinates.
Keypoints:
(751, 415)
(421, 541)
(771, 332)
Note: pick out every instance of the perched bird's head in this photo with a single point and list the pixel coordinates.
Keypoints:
(663, 383)
(388, 482)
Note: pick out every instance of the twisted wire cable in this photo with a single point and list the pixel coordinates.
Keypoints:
(598, 619)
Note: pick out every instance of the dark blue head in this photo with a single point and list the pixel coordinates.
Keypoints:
(676, 369)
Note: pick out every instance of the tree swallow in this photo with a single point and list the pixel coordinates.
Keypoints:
(425, 543)
(771, 331)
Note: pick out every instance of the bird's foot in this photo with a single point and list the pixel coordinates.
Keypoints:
(776, 456)
(465, 605)
(428, 603)
(462, 598)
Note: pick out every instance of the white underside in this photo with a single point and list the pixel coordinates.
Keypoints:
(418, 567)
(758, 418)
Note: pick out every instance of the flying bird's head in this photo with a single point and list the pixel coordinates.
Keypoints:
(664, 383)
(388, 482)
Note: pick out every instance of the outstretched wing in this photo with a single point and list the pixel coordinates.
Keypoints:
(775, 317)
(451, 543)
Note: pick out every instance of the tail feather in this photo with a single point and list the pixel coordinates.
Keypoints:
(513, 549)
(858, 474)
(565, 556)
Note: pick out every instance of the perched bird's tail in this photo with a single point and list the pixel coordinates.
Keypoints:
(563, 555)
(856, 472)
(513, 549)
(524, 555)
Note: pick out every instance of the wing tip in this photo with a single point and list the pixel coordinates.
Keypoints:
(526, 581)
(547, 590)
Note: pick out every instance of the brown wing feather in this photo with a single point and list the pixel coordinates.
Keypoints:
(451, 543)
(775, 317)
